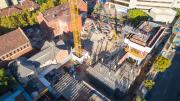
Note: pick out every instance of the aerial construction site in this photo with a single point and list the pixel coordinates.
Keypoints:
(91, 53)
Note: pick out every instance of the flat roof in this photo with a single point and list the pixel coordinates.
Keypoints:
(164, 11)
(146, 33)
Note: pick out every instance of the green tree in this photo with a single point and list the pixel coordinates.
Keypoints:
(41, 1)
(178, 11)
(47, 5)
(161, 64)
(6, 81)
(57, 2)
(30, 17)
(63, 1)
(21, 18)
(149, 84)
(136, 15)
(138, 98)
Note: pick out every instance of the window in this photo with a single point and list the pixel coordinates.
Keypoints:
(21, 48)
(3, 58)
(10, 54)
(14, 51)
(7, 55)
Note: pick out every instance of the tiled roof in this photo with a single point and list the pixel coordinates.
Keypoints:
(12, 40)
(58, 11)
(26, 4)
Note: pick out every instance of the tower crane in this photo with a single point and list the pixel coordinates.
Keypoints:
(73, 4)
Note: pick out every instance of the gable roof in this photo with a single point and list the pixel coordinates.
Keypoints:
(62, 11)
(12, 40)
(26, 4)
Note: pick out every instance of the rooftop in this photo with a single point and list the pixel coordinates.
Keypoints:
(12, 40)
(26, 4)
(146, 33)
(49, 55)
(163, 11)
(61, 11)
(68, 87)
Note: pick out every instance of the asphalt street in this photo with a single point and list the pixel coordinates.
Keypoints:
(167, 87)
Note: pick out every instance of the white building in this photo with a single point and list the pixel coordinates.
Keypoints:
(163, 14)
(145, 4)
(7, 3)
(142, 40)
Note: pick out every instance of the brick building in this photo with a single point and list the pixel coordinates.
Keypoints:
(18, 8)
(57, 19)
(14, 44)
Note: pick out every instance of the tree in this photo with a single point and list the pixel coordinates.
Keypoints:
(178, 11)
(47, 5)
(149, 84)
(63, 1)
(41, 1)
(23, 19)
(30, 17)
(138, 98)
(6, 81)
(3, 80)
(136, 15)
(161, 64)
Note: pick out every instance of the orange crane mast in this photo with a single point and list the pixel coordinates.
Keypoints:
(73, 4)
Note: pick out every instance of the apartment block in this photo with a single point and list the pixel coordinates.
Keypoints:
(145, 4)
(141, 40)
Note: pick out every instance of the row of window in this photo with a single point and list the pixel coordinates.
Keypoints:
(14, 52)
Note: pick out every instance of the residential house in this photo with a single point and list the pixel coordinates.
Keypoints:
(13, 45)
(26, 69)
(16, 9)
(57, 20)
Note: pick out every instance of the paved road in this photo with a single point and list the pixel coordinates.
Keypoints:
(167, 86)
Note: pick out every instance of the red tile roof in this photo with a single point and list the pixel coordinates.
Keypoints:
(62, 11)
(26, 4)
(12, 40)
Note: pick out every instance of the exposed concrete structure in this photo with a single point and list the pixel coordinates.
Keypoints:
(163, 14)
(121, 79)
(65, 85)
